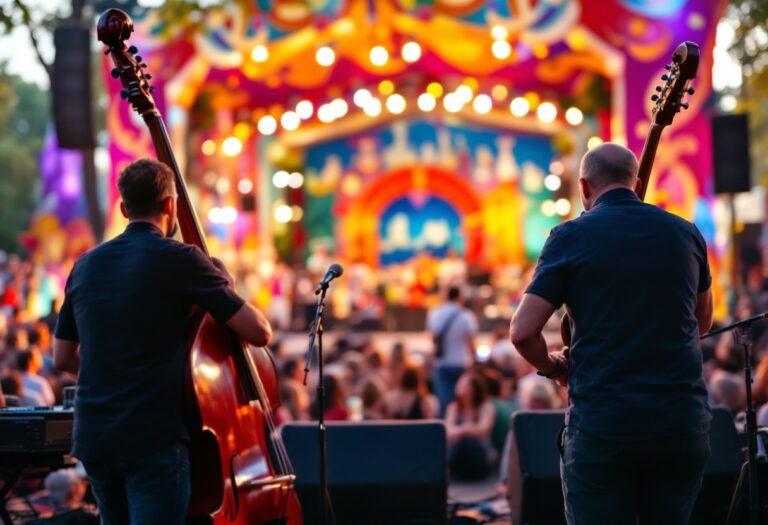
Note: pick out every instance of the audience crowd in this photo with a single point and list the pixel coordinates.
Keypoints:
(369, 381)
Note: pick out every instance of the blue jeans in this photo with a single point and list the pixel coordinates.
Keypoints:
(154, 490)
(645, 481)
(446, 377)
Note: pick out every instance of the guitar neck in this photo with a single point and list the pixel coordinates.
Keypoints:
(647, 156)
(189, 224)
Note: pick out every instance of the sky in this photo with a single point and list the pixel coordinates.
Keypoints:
(16, 48)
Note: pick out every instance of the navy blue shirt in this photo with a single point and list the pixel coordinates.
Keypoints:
(128, 304)
(629, 274)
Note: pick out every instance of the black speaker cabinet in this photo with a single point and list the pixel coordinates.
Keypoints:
(71, 86)
(730, 151)
(379, 472)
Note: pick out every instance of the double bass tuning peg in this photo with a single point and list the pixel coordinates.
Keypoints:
(658, 88)
(124, 94)
(133, 50)
(115, 72)
(654, 98)
(690, 90)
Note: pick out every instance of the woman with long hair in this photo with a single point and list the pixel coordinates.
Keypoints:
(411, 399)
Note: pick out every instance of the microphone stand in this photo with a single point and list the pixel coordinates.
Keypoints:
(317, 331)
(742, 334)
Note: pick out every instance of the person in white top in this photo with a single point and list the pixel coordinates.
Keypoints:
(30, 362)
(453, 329)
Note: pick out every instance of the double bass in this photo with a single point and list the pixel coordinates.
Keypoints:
(240, 470)
(668, 101)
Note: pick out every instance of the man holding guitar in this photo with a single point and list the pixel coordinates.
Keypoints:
(636, 283)
(124, 327)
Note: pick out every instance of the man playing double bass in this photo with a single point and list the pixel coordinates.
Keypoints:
(124, 327)
(636, 283)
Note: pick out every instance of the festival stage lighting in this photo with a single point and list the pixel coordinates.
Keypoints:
(245, 186)
(208, 148)
(295, 180)
(290, 120)
(280, 179)
(361, 96)
(231, 146)
(260, 53)
(283, 214)
(426, 102)
(548, 208)
(372, 108)
(223, 185)
(552, 182)
(465, 93)
(325, 56)
(267, 125)
(411, 52)
(574, 116)
(379, 56)
(593, 142)
(214, 215)
(396, 104)
(499, 93)
(563, 207)
(228, 215)
(547, 112)
(499, 32)
(386, 87)
(435, 89)
(304, 109)
(482, 104)
(519, 107)
(453, 103)
(501, 49)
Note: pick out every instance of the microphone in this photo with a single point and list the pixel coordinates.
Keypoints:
(335, 270)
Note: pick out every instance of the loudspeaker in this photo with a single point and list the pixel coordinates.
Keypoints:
(730, 149)
(71, 86)
(379, 472)
(535, 491)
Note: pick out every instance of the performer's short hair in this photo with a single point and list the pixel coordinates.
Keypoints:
(143, 184)
(609, 163)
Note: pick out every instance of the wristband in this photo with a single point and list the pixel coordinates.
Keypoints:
(554, 373)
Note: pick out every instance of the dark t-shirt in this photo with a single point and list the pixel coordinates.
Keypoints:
(128, 303)
(629, 274)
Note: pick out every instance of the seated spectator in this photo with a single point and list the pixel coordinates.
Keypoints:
(469, 420)
(29, 363)
(411, 399)
(728, 390)
(335, 400)
(372, 397)
(537, 393)
(13, 386)
(504, 408)
(66, 491)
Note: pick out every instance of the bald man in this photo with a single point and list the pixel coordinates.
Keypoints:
(636, 283)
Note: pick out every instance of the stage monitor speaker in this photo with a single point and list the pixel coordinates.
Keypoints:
(730, 149)
(71, 86)
(379, 472)
(535, 491)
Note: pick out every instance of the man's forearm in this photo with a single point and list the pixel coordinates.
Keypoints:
(534, 350)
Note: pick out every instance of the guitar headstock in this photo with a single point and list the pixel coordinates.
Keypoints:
(669, 96)
(113, 29)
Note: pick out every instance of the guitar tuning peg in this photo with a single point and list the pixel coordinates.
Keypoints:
(691, 90)
(655, 98)
(138, 58)
(148, 76)
(684, 105)
(658, 88)
(124, 94)
(665, 77)
(115, 72)
(151, 89)
(668, 67)
(133, 50)
(143, 66)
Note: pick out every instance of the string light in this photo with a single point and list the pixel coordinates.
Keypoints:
(396, 104)
(295, 180)
(208, 148)
(386, 87)
(482, 104)
(411, 52)
(465, 93)
(556, 167)
(499, 92)
(245, 186)
(325, 56)
(326, 113)
(499, 32)
(547, 112)
(548, 208)
(501, 49)
(231, 146)
(304, 109)
(260, 53)
(563, 207)
(519, 107)
(435, 89)
(372, 108)
(594, 142)
(290, 120)
(426, 102)
(283, 214)
(267, 125)
(379, 56)
(223, 185)
(340, 107)
(574, 116)
(280, 179)
(453, 103)
(552, 182)
(361, 96)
